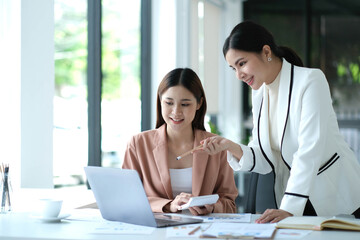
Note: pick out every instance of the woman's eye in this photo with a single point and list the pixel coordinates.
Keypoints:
(185, 104)
(169, 103)
(242, 64)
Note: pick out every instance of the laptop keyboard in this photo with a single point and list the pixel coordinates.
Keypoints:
(163, 221)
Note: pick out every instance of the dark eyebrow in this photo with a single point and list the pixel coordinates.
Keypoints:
(237, 61)
(183, 100)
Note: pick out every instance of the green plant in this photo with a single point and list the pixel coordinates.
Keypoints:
(213, 128)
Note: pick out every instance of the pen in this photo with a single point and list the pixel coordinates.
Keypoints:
(194, 230)
(189, 152)
(5, 187)
(2, 182)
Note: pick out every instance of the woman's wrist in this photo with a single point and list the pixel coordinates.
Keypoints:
(235, 149)
(167, 208)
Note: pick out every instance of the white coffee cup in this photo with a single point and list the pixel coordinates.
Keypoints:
(50, 208)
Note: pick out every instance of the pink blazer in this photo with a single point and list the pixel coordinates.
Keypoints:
(147, 153)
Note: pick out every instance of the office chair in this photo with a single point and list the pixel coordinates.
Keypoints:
(260, 195)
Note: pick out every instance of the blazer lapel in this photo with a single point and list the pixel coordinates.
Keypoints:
(200, 160)
(160, 153)
(263, 120)
(283, 97)
(284, 102)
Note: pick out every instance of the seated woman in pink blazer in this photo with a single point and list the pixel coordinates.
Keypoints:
(168, 182)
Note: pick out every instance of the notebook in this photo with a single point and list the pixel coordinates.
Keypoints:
(120, 196)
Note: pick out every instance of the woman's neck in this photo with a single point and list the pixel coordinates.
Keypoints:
(275, 69)
(180, 137)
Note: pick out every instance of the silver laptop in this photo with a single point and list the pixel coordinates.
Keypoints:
(120, 196)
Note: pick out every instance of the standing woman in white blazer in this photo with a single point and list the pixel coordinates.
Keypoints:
(295, 131)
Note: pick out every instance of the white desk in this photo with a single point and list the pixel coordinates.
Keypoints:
(18, 225)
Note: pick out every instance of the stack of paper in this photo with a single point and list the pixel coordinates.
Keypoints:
(239, 230)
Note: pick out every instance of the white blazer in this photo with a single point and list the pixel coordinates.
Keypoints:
(316, 163)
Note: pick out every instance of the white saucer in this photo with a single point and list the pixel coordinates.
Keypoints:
(51, 219)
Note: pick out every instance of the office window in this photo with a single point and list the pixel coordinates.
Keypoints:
(70, 100)
(121, 88)
(340, 58)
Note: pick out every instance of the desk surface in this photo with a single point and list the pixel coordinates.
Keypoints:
(19, 225)
(16, 226)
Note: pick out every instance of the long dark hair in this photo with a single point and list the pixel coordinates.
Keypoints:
(251, 37)
(190, 80)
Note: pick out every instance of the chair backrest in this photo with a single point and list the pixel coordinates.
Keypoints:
(260, 195)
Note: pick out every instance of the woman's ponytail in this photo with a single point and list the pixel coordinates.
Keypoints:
(289, 54)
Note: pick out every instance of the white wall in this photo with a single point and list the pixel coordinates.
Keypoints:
(10, 79)
(212, 54)
(183, 34)
(230, 101)
(37, 92)
(163, 45)
(27, 79)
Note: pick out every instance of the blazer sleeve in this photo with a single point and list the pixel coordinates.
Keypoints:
(134, 160)
(130, 159)
(225, 187)
(253, 159)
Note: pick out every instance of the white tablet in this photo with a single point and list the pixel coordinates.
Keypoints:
(200, 201)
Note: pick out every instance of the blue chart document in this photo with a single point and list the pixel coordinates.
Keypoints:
(227, 217)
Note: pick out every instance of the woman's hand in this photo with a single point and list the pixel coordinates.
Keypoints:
(179, 200)
(273, 216)
(183, 198)
(214, 145)
(202, 210)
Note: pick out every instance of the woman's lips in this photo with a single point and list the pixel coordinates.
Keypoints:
(250, 81)
(177, 121)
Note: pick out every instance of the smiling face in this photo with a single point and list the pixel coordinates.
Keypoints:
(251, 68)
(178, 108)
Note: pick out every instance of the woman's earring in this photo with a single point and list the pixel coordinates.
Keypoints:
(269, 59)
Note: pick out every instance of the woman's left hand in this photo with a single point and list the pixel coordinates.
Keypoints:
(214, 145)
(203, 210)
(273, 216)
